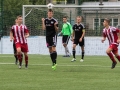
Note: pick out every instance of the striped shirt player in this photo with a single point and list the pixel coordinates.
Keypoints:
(19, 36)
(113, 35)
(20, 41)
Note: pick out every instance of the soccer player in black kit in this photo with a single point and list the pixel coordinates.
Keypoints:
(50, 24)
(78, 37)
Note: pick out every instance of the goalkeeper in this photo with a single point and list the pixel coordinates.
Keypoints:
(66, 31)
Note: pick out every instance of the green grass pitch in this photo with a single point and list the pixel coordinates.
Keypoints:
(92, 74)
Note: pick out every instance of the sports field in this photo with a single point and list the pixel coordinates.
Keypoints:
(92, 74)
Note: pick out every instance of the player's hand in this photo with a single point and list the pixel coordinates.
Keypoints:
(55, 23)
(103, 40)
(72, 39)
(118, 41)
(26, 36)
(80, 40)
(43, 19)
(11, 39)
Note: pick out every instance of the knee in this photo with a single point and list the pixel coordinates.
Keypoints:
(64, 45)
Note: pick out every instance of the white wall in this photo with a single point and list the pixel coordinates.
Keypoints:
(37, 45)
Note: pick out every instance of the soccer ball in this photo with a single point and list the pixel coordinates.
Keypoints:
(50, 6)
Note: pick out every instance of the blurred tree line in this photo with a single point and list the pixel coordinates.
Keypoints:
(13, 8)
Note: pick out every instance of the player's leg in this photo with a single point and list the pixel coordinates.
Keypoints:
(15, 53)
(19, 54)
(26, 59)
(109, 53)
(65, 43)
(74, 52)
(24, 49)
(81, 44)
(115, 52)
(54, 52)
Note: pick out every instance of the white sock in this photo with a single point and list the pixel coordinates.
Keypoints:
(65, 51)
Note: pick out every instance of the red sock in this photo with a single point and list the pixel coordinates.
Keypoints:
(20, 59)
(26, 60)
(118, 57)
(111, 57)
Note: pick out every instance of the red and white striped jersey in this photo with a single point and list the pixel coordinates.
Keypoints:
(111, 34)
(19, 33)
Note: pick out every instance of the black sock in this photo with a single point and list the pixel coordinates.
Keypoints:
(54, 56)
(16, 57)
(51, 55)
(82, 55)
(73, 53)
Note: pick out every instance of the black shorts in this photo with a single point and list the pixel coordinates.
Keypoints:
(14, 48)
(65, 39)
(51, 41)
(76, 41)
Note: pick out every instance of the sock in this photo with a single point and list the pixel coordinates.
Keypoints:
(118, 57)
(54, 57)
(111, 57)
(51, 55)
(16, 57)
(65, 51)
(73, 53)
(82, 55)
(20, 59)
(26, 60)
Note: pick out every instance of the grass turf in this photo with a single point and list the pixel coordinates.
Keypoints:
(92, 74)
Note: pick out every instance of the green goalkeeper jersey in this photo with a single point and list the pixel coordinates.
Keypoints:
(67, 29)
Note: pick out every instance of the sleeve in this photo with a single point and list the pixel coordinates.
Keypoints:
(62, 28)
(83, 27)
(103, 34)
(26, 29)
(12, 29)
(71, 28)
(114, 29)
(57, 22)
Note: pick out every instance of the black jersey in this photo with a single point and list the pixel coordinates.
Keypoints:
(50, 29)
(78, 29)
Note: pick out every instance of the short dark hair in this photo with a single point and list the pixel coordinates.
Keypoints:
(107, 20)
(65, 17)
(50, 10)
(19, 16)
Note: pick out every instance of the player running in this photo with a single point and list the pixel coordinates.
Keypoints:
(66, 31)
(50, 24)
(14, 47)
(20, 33)
(78, 37)
(113, 35)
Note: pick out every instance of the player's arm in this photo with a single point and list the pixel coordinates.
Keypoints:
(118, 35)
(27, 35)
(83, 34)
(56, 26)
(103, 38)
(43, 24)
(11, 36)
(26, 32)
(72, 36)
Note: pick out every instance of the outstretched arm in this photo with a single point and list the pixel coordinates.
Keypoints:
(11, 36)
(43, 24)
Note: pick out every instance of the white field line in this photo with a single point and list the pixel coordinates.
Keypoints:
(65, 65)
